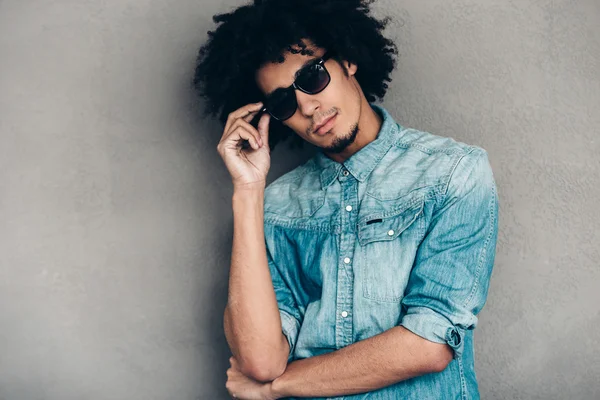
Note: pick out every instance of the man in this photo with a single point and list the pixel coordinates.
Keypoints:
(359, 274)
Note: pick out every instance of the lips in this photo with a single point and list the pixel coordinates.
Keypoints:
(325, 126)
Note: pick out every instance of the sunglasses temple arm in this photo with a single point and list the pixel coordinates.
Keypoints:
(262, 110)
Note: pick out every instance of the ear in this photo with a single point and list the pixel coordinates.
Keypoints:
(350, 67)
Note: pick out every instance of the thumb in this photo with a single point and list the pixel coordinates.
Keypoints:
(263, 127)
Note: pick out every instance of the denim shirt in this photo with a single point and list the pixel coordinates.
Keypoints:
(401, 233)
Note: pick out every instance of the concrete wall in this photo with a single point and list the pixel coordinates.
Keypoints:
(115, 218)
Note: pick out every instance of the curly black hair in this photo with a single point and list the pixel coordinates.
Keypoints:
(260, 32)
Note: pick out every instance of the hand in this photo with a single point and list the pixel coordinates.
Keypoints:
(241, 387)
(248, 166)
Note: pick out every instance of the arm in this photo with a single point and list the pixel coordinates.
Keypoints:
(447, 287)
(449, 282)
(381, 360)
(252, 320)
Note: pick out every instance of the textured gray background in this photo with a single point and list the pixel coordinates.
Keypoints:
(115, 218)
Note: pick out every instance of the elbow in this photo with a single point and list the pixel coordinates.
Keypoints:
(441, 358)
(266, 368)
(262, 371)
(434, 356)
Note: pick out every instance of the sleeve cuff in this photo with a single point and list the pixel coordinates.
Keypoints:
(434, 327)
(290, 328)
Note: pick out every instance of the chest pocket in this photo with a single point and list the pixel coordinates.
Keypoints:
(388, 236)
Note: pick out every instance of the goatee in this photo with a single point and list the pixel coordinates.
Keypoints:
(341, 143)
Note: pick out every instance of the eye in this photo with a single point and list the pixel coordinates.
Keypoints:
(276, 96)
(308, 74)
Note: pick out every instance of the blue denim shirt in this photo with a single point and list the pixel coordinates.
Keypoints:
(401, 233)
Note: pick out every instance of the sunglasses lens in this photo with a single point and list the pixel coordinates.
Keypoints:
(314, 79)
(282, 105)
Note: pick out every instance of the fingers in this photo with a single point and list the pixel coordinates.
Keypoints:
(263, 127)
(241, 132)
(246, 131)
(252, 114)
(248, 110)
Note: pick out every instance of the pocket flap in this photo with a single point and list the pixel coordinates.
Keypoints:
(298, 205)
(388, 224)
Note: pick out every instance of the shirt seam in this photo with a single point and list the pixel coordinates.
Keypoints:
(484, 250)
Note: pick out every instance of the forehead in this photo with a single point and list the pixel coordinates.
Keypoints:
(271, 76)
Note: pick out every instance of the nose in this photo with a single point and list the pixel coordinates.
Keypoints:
(307, 103)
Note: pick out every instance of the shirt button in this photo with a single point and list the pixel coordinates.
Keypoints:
(391, 232)
(345, 173)
(348, 208)
(344, 314)
(347, 260)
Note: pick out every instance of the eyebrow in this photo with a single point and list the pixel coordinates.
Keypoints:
(306, 64)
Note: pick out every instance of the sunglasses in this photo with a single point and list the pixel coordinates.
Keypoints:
(311, 79)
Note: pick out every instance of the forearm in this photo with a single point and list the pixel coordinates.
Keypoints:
(392, 356)
(251, 321)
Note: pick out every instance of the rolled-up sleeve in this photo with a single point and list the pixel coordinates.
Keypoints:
(288, 310)
(449, 281)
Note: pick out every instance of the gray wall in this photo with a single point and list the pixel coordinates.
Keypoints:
(115, 218)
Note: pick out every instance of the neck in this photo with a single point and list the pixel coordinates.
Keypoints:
(369, 125)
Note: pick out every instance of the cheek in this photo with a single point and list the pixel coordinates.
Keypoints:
(297, 123)
(339, 91)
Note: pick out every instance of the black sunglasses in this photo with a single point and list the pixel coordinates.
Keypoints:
(311, 79)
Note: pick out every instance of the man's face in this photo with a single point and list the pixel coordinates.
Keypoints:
(341, 98)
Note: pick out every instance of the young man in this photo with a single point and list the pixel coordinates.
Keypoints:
(358, 274)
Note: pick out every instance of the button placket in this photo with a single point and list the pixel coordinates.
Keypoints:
(345, 273)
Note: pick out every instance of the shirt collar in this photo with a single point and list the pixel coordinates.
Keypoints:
(361, 163)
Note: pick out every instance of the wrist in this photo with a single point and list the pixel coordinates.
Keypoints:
(258, 186)
(248, 197)
(276, 389)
